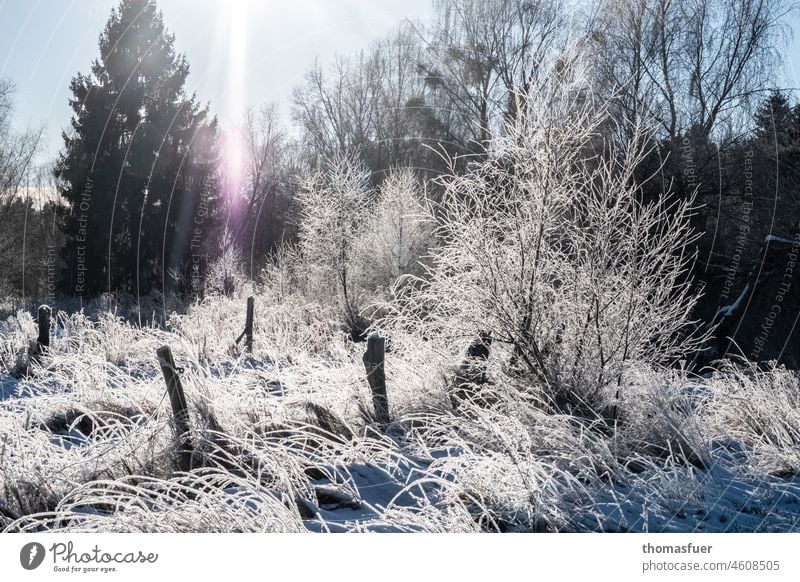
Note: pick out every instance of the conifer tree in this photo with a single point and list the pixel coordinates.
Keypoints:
(138, 165)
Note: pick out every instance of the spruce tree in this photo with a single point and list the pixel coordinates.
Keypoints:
(775, 120)
(138, 166)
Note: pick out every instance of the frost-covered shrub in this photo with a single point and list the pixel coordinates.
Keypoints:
(283, 274)
(760, 409)
(548, 244)
(225, 274)
(16, 333)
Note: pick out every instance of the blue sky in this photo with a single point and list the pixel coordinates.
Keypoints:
(43, 43)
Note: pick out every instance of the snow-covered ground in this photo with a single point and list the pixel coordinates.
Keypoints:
(285, 440)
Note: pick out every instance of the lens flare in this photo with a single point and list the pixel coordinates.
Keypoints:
(235, 23)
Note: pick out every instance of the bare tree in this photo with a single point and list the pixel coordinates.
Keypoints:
(17, 151)
(483, 55)
(270, 175)
(329, 107)
(378, 104)
(688, 63)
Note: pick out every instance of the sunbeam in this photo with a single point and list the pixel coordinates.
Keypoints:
(234, 23)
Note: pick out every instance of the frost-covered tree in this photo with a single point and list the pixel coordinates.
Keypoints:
(334, 207)
(397, 234)
(548, 245)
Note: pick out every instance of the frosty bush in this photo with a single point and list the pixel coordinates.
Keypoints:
(281, 277)
(226, 273)
(548, 244)
(15, 334)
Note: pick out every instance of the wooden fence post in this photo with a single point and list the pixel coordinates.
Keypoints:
(180, 411)
(376, 375)
(43, 341)
(248, 325)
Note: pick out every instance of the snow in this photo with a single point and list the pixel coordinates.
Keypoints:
(728, 310)
(273, 464)
(8, 386)
(773, 238)
(376, 488)
(723, 498)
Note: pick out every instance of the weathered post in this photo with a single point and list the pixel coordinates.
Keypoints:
(43, 341)
(376, 375)
(180, 412)
(248, 325)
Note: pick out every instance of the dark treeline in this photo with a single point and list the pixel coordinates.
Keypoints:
(144, 203)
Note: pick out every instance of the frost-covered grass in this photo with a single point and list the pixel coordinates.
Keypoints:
(285, 439)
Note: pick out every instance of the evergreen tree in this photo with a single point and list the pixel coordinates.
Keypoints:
(139, 163)
(776, 162)
(776, 120)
